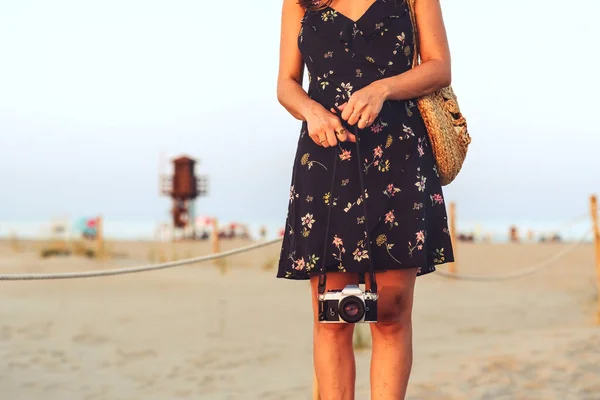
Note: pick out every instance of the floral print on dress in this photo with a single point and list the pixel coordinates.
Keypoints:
(307, 224)
(309, 163)
(339, 252)
(329, 15)
(398, 220)
(361, 253)
(378, 126)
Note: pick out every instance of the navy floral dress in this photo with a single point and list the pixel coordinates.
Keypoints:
(406, 214)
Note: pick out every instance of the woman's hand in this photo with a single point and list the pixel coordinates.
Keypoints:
(324, 127)
(364, 105)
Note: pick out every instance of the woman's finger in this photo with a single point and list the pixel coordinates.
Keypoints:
(362, 123)
(357, 112)
(340, 132)
(365, 119)
(331, 138)
(319, 138)
(351, 137)
(347, 109)
(323, 140)
(340, 108)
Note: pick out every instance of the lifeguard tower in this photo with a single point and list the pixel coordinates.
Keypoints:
(184, 187)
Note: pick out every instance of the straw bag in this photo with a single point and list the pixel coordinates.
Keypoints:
(446, 126)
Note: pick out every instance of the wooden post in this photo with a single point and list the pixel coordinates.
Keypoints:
(164, 238)
(215, 236)
(452, 267)
(315, 395)
(594, 211)
(216, 247)
(100, 237)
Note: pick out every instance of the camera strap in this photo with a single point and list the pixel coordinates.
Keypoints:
(323, 273)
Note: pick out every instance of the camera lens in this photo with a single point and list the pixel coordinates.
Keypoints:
(352, 309)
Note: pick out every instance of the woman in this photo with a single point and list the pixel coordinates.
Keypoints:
(364, 186)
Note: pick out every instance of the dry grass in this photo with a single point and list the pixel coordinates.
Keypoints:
(362, 337)
(14, 243)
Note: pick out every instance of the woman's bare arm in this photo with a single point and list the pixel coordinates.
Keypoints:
(290, 93)
(322, 124)
(434, 72)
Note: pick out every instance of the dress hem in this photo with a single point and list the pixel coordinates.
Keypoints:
(305, 277)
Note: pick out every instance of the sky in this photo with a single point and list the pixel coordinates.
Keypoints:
(93, 95)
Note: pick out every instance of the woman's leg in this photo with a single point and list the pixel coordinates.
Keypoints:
(391, 358)
(332, 346)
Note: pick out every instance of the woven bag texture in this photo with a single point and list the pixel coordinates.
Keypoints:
(446, 126)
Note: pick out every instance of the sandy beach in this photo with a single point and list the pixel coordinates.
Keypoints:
(209, 332)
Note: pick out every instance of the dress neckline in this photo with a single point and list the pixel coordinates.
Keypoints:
(359, 18)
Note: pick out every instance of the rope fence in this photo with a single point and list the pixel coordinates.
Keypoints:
(450, 274)
(195, 260)
(131, 270)
(218, 255)
(521, 273)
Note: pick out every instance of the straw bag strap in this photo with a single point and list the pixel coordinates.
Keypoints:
(413, 18)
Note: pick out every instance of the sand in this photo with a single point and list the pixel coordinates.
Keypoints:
(204, 332)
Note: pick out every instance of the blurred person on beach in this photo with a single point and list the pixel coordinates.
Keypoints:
(364, 188)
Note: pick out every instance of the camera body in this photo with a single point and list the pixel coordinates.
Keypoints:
(349, 305)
